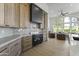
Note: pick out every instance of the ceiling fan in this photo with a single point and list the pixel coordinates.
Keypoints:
(63, 13)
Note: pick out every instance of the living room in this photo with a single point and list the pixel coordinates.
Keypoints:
(64, 22)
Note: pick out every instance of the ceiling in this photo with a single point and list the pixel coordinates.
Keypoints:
(54, 8)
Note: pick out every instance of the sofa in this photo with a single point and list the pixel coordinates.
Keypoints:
(61, 36)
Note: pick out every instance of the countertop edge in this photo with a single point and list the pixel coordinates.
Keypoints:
(8, 42)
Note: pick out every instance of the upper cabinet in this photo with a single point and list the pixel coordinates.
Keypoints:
(1, 14)
(19, 15)
(14, 15)
(24, 15)
(11, 13)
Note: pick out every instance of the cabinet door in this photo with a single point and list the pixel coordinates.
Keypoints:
(24, 15)
(12, 14)
(12, 51)
(18, 47)
(1, 14)
(17, 15)
(4, 51)
(15, 48)
(26, 43)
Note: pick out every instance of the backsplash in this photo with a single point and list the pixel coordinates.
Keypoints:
(32, 29)
(35, 29)
(6, 32)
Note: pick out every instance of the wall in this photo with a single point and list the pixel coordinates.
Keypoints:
(44, 6)
(7, 32)
(76, 14)
(4, 32)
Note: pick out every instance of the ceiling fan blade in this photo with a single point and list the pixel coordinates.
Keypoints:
(61, 12)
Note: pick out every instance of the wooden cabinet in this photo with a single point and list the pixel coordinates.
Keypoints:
(4, 51)
(11, 13)
(1, 14)
(14, 15)
(15, 48)
(26, 43)
(11, 49)
(17, 15)
(24, 15)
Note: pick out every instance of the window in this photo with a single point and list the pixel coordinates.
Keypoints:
(67, 27)
(66, 20)
(66, 24)
(74, 19)
(57, 24)
(75, 27)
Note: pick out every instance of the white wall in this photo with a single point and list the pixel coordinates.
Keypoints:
(76, 14)
(44, 6)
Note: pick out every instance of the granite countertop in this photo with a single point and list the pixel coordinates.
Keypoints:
(6, 40)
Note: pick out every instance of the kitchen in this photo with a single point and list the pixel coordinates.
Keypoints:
(20, 30)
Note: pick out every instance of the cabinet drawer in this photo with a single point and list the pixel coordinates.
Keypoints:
(27, 41)
(28, 37)
(24, 45)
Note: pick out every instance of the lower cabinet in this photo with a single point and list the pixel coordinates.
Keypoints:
(15, 48)
(12, 49)
(4, 51)
(26, 43)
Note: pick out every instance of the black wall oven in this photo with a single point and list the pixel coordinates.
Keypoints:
(37, 39)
